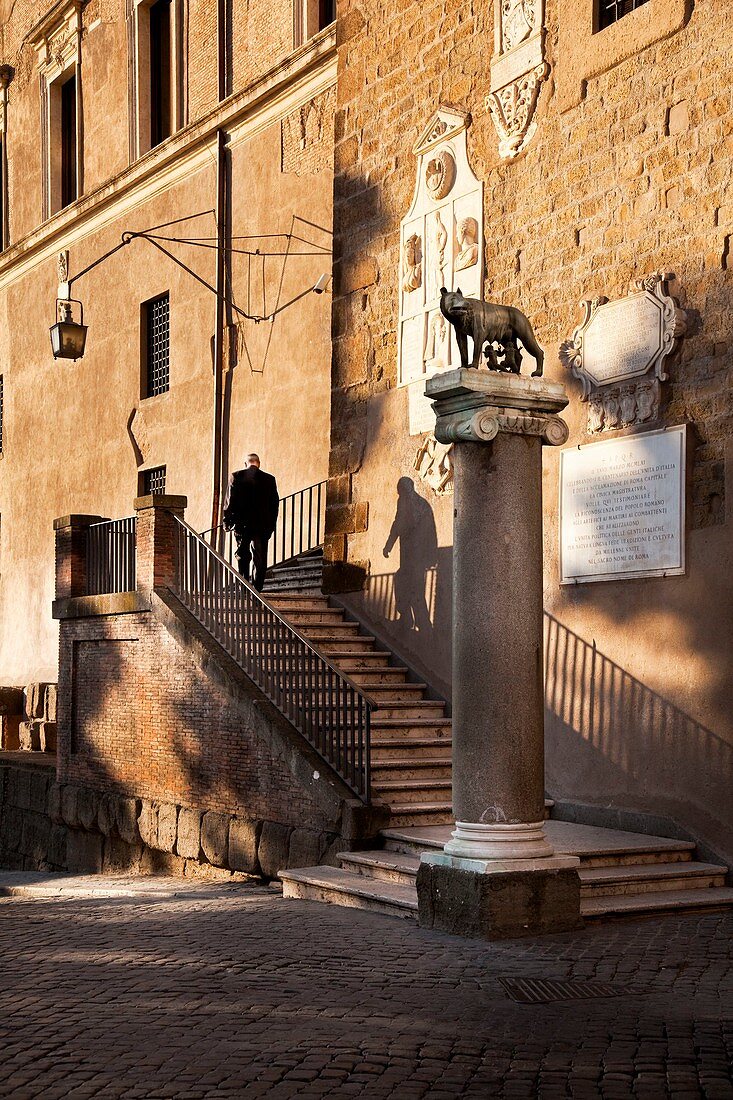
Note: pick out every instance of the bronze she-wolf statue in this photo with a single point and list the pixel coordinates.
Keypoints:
(488, 323)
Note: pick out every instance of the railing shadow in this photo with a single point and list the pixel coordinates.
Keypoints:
(606, 731)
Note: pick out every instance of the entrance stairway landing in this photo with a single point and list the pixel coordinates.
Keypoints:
(620, 873)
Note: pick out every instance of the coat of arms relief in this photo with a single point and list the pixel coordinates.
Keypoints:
(517, 71)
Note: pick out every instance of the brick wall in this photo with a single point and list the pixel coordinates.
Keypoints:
(137, 716)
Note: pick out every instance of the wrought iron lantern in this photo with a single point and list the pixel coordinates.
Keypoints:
(68, 337)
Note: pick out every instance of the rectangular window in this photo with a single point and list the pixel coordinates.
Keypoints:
(68, 141)
(156, 345)
(326, 13)
(610, 11)
(160, 71)
(153, 481)
(1, 414)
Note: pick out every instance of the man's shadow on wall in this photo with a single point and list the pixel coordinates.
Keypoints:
(414, 527)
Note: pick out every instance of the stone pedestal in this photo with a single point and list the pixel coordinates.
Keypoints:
(498, 875)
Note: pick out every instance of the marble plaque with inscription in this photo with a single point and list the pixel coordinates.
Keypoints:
(622, 508)
(622, 339)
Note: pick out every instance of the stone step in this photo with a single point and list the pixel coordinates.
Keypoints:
(329, 631)
(364, 658)
(411, 791)
(377, 882)
(396, 693)
(299, 586)
(382, 866)
(644, 878)
(595, 846)
(335, 646)
(309, 616)
(407, 814)
(712, 898)
(415, 767)
(339, 887)
(409, 728)
(420, 708)
(390, 674)
(294, 579)
(431, 749)
(287, 602)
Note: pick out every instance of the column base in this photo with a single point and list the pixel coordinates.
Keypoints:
(498, 899)
(519, 841)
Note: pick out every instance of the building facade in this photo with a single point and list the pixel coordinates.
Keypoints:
(118, 118)
(602, 134)
(535, 153)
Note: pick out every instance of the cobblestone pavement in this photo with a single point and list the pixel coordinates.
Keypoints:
(234, 992)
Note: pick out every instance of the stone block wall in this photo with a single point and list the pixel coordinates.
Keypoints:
(28, 718)
(628, 175)
(50, 826)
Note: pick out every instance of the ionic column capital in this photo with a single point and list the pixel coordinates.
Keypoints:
(473, 406)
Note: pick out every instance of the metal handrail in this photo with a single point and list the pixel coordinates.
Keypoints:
(327, 707)
(111, 556)
(299, 528)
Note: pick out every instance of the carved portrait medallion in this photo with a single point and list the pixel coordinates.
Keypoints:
(440, 175)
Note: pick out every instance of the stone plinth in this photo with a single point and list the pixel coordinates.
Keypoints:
(516, 884)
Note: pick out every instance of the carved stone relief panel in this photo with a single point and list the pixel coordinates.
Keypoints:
(441, 245)
(618, 352)
(517, 71)
(434, 465)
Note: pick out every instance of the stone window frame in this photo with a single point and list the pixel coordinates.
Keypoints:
(584, 52)
(138, 24)
(57, 40)
(307, 21)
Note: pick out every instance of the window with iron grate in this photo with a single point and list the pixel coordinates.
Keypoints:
(156, 345)
(610, 11)
(153, 481)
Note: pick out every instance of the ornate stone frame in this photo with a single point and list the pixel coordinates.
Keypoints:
(57, 41)
(138, 18)
(441, 244)
(632, 395)
(517, 71)
(585, 52)
(672, 321)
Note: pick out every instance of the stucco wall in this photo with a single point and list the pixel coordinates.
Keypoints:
(628, 175)
(77, 434)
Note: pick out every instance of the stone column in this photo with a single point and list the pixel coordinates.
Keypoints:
(498, 875)
(155, 540)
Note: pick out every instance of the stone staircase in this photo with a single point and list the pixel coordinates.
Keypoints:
(621, 873)
(410, 732)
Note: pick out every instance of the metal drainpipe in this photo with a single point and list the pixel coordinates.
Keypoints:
(221, 196)
(221, 221)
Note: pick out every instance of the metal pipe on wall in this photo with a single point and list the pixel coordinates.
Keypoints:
(221, 223)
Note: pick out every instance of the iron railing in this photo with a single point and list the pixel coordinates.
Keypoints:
(111, 556)
(299, 529)
(325, 706)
